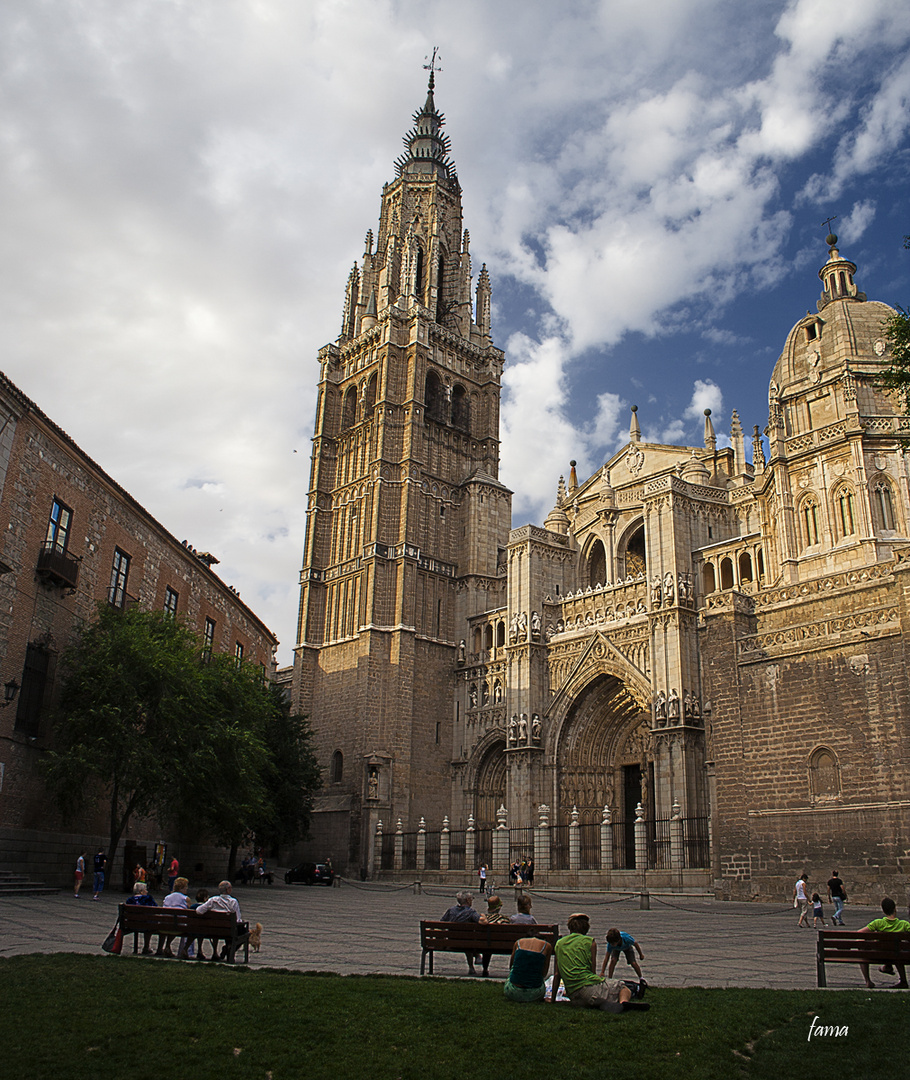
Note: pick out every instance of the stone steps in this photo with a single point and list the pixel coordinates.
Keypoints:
(13, 884)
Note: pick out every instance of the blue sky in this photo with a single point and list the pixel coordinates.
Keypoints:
(185, 184)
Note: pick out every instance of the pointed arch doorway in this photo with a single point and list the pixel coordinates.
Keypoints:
(490, 792)
(604, 759)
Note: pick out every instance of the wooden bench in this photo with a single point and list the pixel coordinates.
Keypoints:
(472, 937)
(853, 947)
(137, 919)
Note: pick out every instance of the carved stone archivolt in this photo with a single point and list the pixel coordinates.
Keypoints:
(604, 732)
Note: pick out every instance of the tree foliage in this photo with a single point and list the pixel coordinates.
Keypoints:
(896, 376)
(202, 742)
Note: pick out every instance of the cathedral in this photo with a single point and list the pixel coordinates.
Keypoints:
(691, 675)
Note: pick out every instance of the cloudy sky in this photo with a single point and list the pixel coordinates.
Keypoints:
(185, 184)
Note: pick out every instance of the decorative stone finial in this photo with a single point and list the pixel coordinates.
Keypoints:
(634, 426)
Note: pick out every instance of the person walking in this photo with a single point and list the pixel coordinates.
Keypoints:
(801, 900)
(837, 894)
(99, 864)
(79, 873)
(482, 874)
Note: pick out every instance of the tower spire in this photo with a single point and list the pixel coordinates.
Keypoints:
(427, 147)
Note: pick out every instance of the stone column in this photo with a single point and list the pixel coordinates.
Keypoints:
(641, 839)
(501, 841)
(542, 840)
(677, 854)
(606, 839)
(399, 845)
(421, 846)
(444, 845)
(470, 848)
(574, 842)
(377, 850)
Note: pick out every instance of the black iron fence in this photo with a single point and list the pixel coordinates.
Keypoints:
(559, 847)
(659, 844)
(696, 844)
(483, 848)
(387, 855)
(589, 837)
(694, 851)
(456, 849)
(431, 859)
(409, 851)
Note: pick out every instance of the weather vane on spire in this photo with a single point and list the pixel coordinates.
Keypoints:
(432, 66)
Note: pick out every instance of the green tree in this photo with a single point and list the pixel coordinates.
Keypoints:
(896, 376)
(293, 778)
(126, 705)
(148, 719)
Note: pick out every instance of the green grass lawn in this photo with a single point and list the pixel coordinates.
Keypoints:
(130, 1018)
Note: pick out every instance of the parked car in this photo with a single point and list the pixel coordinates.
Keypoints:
(309, 873)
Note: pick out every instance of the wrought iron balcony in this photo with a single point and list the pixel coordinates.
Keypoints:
(57, 566)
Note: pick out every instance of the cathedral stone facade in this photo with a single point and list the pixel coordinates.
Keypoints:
(692, 674)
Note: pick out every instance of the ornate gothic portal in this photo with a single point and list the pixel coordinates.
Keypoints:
(491, 787)
(603, 757)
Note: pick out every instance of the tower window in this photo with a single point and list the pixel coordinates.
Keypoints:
(881, 500)
(337, 769)
(809, 516)
(846, 518)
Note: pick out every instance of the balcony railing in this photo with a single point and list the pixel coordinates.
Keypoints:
(57, 566)
(120, 598)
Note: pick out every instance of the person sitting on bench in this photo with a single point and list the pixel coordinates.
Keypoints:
(890, 924)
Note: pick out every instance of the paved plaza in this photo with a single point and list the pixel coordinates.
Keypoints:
(372, 928)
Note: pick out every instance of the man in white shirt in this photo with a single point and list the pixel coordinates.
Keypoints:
(222, 902)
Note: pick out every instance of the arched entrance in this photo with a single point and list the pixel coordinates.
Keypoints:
(603, 758)
(490, 792)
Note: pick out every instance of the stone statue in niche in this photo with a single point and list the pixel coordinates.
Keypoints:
(484, 694)
(535, 624)
(373, 785)
(660, 706)
(513, 629)
(655, 592)
(513, 731)
(687, 705)
(673, 707)
(685, 589)
(497, 692)
(535, 728)
(522, 626)
(472, 696)
(462, 650)
(668, 588)
(523, 728)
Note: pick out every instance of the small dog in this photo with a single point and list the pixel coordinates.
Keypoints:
(256, 936)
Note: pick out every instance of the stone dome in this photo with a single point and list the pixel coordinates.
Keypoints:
(846, 333)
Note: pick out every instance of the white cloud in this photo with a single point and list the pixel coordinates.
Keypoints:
(705, 395)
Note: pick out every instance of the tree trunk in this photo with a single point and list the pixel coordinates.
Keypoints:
(232, 861)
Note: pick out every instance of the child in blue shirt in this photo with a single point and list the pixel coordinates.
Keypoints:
(619, 942)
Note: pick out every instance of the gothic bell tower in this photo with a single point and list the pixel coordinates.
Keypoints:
(406, 516)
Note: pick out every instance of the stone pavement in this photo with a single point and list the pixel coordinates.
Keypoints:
(366, 928)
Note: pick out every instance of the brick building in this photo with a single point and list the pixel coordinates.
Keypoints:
(74, 539)
(692, 674)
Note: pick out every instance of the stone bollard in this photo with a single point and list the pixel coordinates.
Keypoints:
(644, 900)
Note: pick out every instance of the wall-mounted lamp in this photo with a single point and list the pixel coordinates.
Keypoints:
(9, 693)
